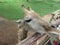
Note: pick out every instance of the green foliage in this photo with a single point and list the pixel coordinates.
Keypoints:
(56, 0)
(11, 9)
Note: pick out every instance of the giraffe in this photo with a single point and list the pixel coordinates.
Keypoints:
(28, 18)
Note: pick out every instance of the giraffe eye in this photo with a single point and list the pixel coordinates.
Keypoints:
(28, 20)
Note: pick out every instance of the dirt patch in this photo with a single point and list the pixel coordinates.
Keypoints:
(8, 32)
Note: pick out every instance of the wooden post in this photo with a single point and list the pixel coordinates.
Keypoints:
(43, 23)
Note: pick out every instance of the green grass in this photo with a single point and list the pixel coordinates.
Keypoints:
(11, 9)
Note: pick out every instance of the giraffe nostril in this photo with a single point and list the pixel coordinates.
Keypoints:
(59, 16)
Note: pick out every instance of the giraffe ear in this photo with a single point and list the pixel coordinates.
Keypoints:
(19, 21)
